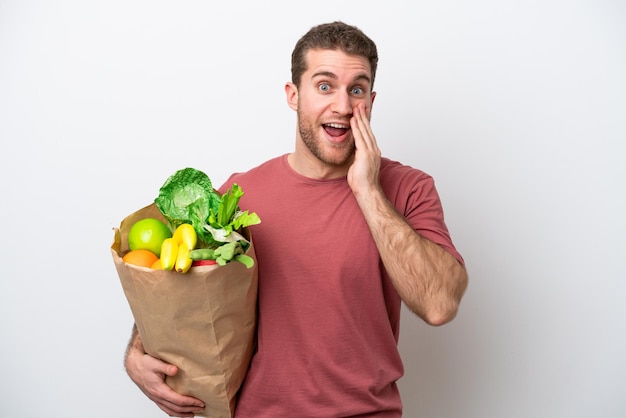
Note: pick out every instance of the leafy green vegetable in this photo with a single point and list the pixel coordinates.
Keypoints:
(232, 251)
(245, 260)
(188, 197)
(227, 219)
(228, 206)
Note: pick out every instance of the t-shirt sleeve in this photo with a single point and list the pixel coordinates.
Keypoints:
(424, 212)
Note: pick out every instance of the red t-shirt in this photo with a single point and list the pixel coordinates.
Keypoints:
(328, 315)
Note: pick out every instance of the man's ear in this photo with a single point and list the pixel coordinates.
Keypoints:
(291, 91)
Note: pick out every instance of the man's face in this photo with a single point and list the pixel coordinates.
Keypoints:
(333, 84)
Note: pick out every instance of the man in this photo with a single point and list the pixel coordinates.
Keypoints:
(347, 235)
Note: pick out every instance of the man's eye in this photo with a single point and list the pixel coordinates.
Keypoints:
(357, 90)
(324, 87)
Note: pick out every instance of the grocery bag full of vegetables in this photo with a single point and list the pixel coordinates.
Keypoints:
(202, 321)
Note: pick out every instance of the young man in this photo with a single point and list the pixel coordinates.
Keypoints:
(347, 235)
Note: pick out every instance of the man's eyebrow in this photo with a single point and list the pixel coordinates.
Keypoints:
(363, 77)
(329, 74)
(324, 74)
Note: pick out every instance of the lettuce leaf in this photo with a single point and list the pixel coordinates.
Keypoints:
(224, 223)
(188, 196)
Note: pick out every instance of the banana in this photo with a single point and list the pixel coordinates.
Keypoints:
(183, 261)
(186, 234)
(169, 253)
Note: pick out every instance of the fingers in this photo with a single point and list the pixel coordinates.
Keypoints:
(361, 128)
(173, 412)
(363, 175)
(160, 366)
(185, 409)
(154, 386)
(175, 404)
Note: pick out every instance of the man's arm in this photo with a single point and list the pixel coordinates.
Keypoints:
(149, 374)
(429, 280)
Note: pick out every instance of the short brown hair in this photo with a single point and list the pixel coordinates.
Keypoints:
(335, 35)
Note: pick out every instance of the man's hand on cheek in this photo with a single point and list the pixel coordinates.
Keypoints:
(363, 174)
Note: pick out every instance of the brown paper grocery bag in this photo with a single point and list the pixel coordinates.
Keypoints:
(202, 321)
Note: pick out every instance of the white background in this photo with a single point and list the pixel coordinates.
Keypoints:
(517, 108)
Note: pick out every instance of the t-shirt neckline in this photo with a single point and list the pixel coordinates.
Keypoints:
(299, 177)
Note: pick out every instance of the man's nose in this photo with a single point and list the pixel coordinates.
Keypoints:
(342, 103)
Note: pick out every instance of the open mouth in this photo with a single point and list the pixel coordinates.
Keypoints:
(335, 129)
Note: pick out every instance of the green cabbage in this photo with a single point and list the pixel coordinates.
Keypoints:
(188, 196)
